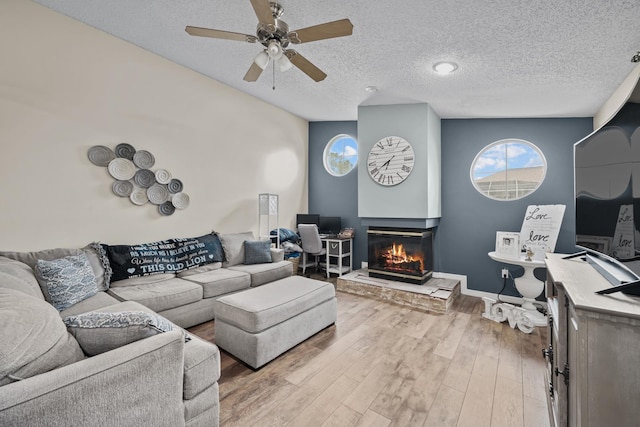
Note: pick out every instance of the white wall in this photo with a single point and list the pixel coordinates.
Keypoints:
(65, 87)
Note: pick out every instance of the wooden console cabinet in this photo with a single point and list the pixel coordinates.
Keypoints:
(593, 354)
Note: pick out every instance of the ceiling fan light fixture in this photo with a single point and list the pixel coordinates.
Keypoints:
(262, 59)
(284, 63)
(274, 49)
(444, 68)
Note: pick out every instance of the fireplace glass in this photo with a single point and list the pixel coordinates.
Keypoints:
(402, 254)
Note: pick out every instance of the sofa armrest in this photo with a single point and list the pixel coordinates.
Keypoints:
(137, 384)
(277, 255)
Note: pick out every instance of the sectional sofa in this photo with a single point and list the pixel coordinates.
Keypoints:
(79, 347)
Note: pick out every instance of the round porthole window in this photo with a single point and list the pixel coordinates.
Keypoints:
(508, 169)
(340, 155)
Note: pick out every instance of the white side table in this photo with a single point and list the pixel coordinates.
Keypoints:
(338, 259)
(528, 285)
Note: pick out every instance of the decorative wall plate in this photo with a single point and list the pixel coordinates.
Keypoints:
(158, 194)
(175, 186)
(125, 151)
(144, 159)
(100, 155)
(144, 178)
(122, 188)
(122, 169)
(166, 209)
(163, 176)
(138, 196)
(180, 200)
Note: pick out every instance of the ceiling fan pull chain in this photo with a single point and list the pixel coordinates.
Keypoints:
(274, 74)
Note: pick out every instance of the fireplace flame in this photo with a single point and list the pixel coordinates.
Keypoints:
(397, 255)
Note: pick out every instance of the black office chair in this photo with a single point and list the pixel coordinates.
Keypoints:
(311, 245)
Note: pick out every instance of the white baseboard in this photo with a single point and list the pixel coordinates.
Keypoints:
(480, 294)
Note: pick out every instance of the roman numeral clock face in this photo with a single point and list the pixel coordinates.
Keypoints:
(390, 161)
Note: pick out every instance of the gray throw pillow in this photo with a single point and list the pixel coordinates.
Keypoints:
(98, 332)
(67, 280)
(233, 245)
(257, 251)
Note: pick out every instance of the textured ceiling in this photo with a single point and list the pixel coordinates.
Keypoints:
(516, 58)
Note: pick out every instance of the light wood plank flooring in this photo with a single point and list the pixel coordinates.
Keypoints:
(386, 365)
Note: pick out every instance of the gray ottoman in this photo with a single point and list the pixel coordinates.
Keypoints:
(259, 324)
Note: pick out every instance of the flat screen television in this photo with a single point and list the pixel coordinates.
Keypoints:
(330, 225)
(607, 198)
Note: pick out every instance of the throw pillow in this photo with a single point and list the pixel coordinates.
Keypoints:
(67, 280)
(233, 245)
(34, 339)
(98, 332)
(257, 251)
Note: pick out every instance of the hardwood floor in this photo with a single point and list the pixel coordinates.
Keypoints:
(386, 365)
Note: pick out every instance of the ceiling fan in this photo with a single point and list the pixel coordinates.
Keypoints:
(274, 35)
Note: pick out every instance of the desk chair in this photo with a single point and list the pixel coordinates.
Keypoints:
(311, 245)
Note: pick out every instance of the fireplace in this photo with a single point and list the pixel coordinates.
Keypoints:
(402, 254)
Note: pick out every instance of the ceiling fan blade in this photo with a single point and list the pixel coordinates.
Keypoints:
(328, 30)
(263, 12)
(253, 73)
(219, 34)
(305, 66)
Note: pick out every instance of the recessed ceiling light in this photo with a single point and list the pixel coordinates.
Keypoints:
(371, 89)
(443, 68)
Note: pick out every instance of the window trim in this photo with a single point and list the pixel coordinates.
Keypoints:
(327, 149)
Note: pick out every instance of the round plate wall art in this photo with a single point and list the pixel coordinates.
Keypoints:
(139, 196)
(175, 186)
(144, 159)
(122, 169)
(166, 209)
(122, 188)
(180, 200)
(100, 155)
(125, 151)
(158, 194)
(134, 178)
(163, 176)
(144, 178)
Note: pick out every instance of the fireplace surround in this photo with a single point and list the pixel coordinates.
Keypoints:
(401, 254)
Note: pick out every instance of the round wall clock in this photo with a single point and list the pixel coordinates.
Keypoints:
(390, 160)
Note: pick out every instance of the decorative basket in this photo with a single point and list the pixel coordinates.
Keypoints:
(296, 263)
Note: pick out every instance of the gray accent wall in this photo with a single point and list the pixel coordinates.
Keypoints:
(469, 220)
(335, 196)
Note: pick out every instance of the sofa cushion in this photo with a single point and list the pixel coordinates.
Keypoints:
(19, 276)
(162, 295)
(66, 281)
(202, 269)
(93, 303)
(220, 281)
(201, 366)
(265, 273)
(98, 332)
(257, 251)
(34, 339)
(257, 309)
(233, 245)
(143, 280)
(101, 270)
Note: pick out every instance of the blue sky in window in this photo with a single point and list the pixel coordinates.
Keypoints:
(346, 147)
(497, 157)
